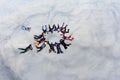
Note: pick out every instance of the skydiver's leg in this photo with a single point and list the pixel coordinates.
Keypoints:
(63, 24)
(60, 51)
(21, 48)
(49, 50)
(39, 49)
(64, 45)
(68, 44)
(67, 31)
(53, 50)
(23, 51)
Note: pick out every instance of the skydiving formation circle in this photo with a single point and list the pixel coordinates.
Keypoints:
(40, 41)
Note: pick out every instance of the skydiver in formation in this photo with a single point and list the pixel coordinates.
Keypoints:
(64, 29)
(70, 38)
(59, 50)
(44, 29)
(39, 36)
(50, 28)
(65, 45)
(41, 47)
(51, 45)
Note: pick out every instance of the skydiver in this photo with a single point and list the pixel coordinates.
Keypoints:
(26, 49)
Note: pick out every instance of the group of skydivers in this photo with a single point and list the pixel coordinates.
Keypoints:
(41, 42)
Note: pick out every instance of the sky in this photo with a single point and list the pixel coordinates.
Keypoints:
(93, 55)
